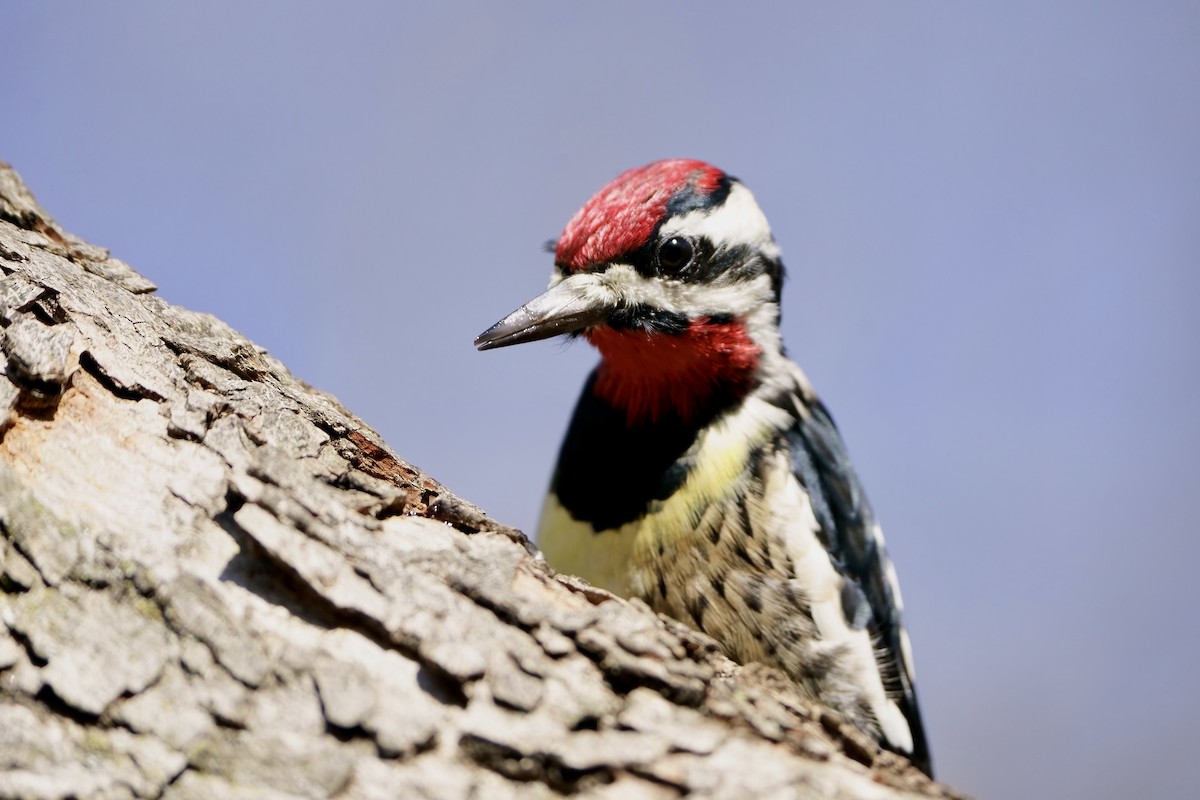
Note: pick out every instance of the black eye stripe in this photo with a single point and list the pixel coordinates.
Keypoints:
(707, 262)
(702, 266)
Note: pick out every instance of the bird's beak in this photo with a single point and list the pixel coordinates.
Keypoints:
(561, 309)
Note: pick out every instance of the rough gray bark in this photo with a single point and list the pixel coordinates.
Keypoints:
(216, 582)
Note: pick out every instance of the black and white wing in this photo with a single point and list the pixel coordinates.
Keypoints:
(870, 593)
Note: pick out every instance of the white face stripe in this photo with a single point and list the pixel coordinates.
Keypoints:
(737, 221)
(737, 299)
(620, 284)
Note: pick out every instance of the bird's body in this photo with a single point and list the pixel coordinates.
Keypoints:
(700, 472)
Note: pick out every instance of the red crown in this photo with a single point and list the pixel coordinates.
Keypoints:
(621, 217)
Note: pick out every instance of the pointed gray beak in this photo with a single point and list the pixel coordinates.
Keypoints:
(557, 311)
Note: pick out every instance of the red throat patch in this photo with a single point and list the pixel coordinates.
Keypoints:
(622, 215)
(652, 375)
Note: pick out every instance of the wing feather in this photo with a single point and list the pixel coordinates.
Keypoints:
(850, 533)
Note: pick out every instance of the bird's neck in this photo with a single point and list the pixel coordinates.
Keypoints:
(687, 376)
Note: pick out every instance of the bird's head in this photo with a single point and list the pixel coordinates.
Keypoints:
(672, 273)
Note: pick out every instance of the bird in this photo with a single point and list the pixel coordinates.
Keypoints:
(700, 471)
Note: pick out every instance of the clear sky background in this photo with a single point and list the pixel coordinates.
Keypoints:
(990, 215)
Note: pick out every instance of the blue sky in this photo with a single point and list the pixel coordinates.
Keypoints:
(990, 216)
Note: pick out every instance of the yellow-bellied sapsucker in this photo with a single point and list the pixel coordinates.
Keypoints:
(700, 471)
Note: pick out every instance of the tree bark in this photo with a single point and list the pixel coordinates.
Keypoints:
(216, 582)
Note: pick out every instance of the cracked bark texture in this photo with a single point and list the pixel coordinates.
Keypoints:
(216, 582)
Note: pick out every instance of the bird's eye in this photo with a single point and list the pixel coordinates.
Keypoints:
(674, 254)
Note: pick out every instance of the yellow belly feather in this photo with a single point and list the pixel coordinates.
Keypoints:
(612, 559)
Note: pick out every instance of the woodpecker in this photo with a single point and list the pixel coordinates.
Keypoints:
(700, 471)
